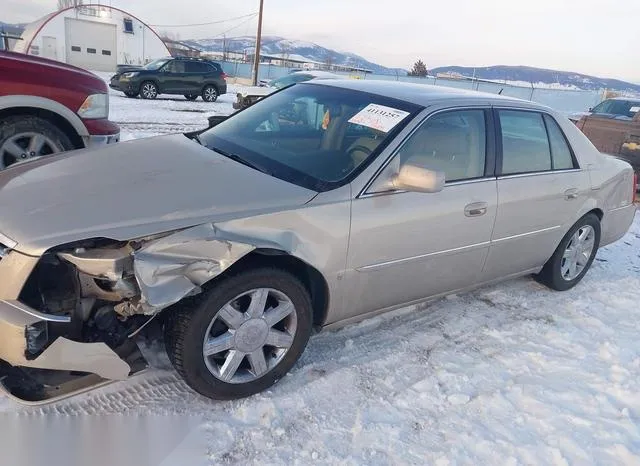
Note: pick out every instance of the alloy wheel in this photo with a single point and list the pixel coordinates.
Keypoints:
(250, 335)
(24, 146)
(149, 91)
(578, 252)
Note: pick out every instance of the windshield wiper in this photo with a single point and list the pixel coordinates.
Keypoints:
(241, 160)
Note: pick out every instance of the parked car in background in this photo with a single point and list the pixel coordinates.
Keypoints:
(237, 240)
(613, 127)
(47, 107)
(613, 108)
(249, 95)
(188, 76)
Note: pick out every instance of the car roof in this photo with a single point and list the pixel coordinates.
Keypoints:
(421, 94)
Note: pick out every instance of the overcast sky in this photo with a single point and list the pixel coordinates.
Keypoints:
(599, 37)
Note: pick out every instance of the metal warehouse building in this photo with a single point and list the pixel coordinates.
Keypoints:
(94, 37)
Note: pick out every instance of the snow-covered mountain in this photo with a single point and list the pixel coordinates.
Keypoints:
(527, 74)
(280, 45)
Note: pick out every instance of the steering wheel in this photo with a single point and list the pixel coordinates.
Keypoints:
(360, 148)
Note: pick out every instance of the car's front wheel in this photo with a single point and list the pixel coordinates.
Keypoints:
(210, 94)
(573, 256)
(26, 137)
(149, 90)
(242, 335)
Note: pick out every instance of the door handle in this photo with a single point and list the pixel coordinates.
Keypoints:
(476, 209)
(570, 194)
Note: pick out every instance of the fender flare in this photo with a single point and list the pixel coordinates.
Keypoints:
(42, 103)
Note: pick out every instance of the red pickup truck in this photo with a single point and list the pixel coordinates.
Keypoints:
(47, 107)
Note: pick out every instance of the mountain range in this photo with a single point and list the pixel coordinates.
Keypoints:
(523, 75)
(280, 45)
(527, 74)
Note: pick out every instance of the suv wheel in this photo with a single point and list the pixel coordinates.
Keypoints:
(149, 90)
(26, 137)
(210, 94)
(191, 97)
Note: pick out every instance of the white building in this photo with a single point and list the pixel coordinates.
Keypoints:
(94, 37)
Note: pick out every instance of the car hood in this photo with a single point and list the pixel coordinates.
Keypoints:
(256, 90)
(132, 189)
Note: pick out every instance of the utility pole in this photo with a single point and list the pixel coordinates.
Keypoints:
(256, 55)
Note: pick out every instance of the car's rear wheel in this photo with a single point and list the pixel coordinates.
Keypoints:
(241, 336)
(209, 94)
(191, 96)
(26, 137)
(573, 256)
(131, 95)
(149, 90)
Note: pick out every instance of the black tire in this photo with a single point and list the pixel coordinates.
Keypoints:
(149, 90)
(210, 93)
(551, 274)
(185, 332)
(191, 97)
(15, 125)
(131, 95)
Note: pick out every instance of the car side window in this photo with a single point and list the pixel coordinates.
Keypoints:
(525, 146)
(453, 142)
(560, 152)
(176, 66)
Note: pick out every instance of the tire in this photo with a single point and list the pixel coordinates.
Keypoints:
(131, 95)
(191, 97)
(20, 131)
(187, 328)
(552, 273)
(210, 93)
(149, 90)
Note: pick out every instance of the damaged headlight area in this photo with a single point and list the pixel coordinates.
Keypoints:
(101, 280)
(84, 302)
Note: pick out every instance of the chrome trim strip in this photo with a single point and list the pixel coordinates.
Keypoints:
(421, 256)
(621, 208)
(529, 233)
(452, 183)
(8, 242)
(548, 172)
(18, 306)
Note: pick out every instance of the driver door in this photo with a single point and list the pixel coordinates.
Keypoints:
(406, 246)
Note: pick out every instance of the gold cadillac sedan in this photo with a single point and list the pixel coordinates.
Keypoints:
(322, 204)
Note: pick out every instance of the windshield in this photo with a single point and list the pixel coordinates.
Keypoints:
(315, 136)
(624, 108)
(155, 64)
(285, 81)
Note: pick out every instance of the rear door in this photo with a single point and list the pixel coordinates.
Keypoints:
(540, 189)
(197, 73)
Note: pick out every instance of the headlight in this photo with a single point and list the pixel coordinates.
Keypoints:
(130, 75)
(95, 106)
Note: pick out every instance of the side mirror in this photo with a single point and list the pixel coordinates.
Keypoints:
(414, 176)
(590, 109)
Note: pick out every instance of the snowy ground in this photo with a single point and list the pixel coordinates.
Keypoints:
(507, 375)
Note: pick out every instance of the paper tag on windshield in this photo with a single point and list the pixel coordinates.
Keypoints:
(635, 109)
(379, 117)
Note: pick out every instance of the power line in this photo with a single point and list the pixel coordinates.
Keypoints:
(202, 24)
(235, 27)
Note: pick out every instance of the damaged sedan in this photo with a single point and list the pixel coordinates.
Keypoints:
(320, 205)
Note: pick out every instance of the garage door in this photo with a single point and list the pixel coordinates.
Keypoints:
(91, 45)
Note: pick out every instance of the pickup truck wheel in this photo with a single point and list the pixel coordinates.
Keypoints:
(149, 90)
(241, 336)
(573, 256)
(191, 97)
(209, 94)
(26, 137)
